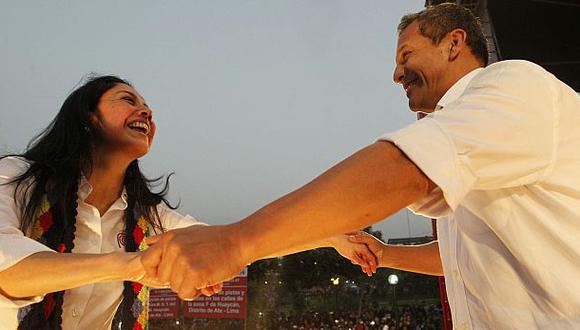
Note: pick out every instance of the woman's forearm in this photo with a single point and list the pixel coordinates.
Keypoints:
(422, 259)
(46, 272)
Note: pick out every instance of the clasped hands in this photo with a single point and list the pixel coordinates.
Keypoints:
(197, 259)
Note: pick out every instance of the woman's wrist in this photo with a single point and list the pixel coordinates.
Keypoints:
(124, 265)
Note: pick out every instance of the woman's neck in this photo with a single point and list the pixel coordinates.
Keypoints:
(106, 178)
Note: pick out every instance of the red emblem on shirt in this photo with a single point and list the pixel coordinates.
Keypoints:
(121, 239)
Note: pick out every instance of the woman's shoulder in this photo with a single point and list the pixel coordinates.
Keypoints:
(13, 166)
(172, 219)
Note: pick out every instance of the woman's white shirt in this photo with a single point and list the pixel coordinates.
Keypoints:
(90, 306)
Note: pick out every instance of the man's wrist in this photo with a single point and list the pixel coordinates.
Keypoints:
(330, 242)
(391, 257)
(383, 263)
(242, 241)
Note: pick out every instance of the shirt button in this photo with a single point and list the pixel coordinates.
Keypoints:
(75, 313)
(456, 274)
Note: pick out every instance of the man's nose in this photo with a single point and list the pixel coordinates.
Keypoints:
(398, 74)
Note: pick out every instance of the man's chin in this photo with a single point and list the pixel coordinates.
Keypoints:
(420, 108)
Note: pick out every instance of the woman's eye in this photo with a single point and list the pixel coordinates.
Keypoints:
(129, 100)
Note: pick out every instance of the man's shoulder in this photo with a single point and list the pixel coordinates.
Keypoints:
(516, 65)
(516, 76)
(516, 70)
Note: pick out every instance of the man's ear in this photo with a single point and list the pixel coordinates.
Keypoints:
(457, 42)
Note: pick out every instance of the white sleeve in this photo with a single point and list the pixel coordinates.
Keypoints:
(500, 133)
(14, 246)
(170, 219)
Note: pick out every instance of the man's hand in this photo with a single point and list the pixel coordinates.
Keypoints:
(193, 259)
(357, 252)
(212, 289)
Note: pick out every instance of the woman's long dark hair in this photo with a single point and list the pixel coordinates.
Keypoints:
(63, 151)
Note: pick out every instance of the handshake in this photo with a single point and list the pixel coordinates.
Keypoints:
(197, 259)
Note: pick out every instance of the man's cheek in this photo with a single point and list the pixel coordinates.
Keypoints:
(152, 133)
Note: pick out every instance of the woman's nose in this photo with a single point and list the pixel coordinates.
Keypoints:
(144, 111)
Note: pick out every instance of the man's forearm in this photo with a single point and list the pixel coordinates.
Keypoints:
(422, 259)
(46, 272)
(365, 188)
(315, 245)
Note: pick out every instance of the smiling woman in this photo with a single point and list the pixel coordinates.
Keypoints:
(125, 121)
(75, 190)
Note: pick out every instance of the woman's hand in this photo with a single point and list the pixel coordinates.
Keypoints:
(357, 252)
(136, 273)
(375, 245)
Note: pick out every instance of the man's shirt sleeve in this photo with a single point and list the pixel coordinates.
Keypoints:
(500, 133)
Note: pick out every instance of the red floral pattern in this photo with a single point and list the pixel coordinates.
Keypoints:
(45, 221)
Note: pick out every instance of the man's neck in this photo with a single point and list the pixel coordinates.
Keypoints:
(454, 74)
(458, 71)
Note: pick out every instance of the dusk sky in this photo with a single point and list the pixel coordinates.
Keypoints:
(252, 99)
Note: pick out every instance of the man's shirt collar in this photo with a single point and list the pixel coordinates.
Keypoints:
(455, 91)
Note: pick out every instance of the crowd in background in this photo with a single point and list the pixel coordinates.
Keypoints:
(415, 317)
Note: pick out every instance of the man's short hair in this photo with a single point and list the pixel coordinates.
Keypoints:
(435, 22)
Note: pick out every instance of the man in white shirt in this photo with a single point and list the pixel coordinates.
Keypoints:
(496, 159)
